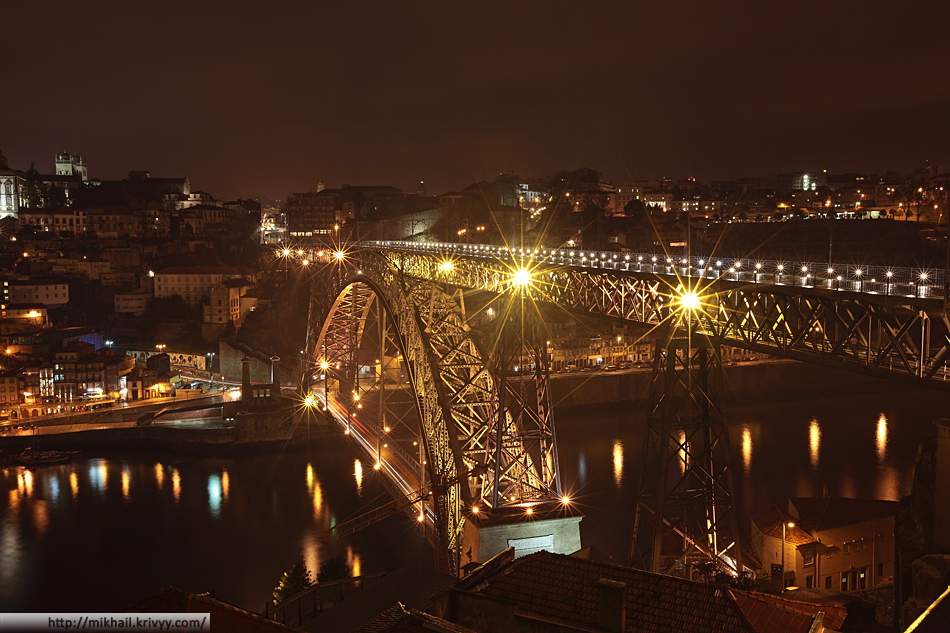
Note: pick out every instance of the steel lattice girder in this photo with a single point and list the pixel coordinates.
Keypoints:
(455, 393)
(903, 338)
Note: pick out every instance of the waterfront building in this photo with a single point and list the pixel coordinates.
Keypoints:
(834, 543)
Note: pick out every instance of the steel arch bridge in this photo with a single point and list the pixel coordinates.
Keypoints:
(489, 440)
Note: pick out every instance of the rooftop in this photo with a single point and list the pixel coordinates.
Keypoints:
(559, 588)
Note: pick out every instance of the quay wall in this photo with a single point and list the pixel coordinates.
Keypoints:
(249, 429)
(745, 382)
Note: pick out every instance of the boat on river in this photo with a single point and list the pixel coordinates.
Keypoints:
(30, 457)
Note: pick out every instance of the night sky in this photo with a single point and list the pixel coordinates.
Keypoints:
(266, 98)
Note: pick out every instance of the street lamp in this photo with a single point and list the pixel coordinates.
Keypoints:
(784, 526)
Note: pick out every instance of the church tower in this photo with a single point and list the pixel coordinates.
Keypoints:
(71, 165)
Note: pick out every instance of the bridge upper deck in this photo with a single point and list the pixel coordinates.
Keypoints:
(874, 280)
(889, 322)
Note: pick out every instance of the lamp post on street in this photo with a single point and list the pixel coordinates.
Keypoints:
(784, 526)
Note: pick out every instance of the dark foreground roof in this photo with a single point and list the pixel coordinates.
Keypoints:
(559, 588)
(224, 616)
(406, 619)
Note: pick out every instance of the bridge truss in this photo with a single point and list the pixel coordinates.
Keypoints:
(488, 440)
(899, 337)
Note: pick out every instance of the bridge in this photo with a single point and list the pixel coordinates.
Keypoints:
(426, 385)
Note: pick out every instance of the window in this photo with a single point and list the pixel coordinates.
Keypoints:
(880, 569)
(809, 581)
(844, 581)
(808, 558)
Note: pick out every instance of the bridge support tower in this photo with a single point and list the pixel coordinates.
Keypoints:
(685, 522)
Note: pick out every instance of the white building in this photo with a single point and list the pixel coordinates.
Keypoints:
(52, 293)
(131, 304)
(193, 283)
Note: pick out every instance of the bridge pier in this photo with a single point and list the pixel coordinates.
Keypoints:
(686, 516)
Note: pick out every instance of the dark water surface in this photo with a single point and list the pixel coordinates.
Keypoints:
(101, 532)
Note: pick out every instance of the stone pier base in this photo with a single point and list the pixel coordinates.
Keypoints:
(552, 527)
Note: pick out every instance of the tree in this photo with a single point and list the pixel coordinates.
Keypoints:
(292, 582)
(33, 188)
(635, 209)
(335, 568)
(171, 308)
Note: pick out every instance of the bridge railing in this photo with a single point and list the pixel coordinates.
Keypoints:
(874, 279)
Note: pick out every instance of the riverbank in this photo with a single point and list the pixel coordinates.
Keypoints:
(246, 431)
(748, 383)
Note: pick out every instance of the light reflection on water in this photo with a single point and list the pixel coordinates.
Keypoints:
(169, 526)
(163, 525)
(40, 516)
(125, 484)
(746, 449)
(214, 495)
(618, 462)
(581, 467)
(814, 442)
(225, 484)
(881, 437)
(176, 484)
(54, 488)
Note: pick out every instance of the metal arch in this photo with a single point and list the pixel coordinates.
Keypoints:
(338, 341)
(454, 389)
(895, 337)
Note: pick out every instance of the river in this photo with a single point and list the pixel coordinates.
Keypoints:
(107, 529)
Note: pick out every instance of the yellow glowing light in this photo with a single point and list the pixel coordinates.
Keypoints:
(475, 509)
(324, 364)
(446, 266)
(521, 277)
(420, 518)
(377, 466)
(689, 300)
(285, 252)
(339, 255)
(529, 511)
(309, 401)
(565, 500)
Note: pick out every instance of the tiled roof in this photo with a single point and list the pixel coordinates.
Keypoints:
(555, 587)
(225, 617)
(830, 512)
(565, 588)
(770, 522)
(778, 614)
(402, 618)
